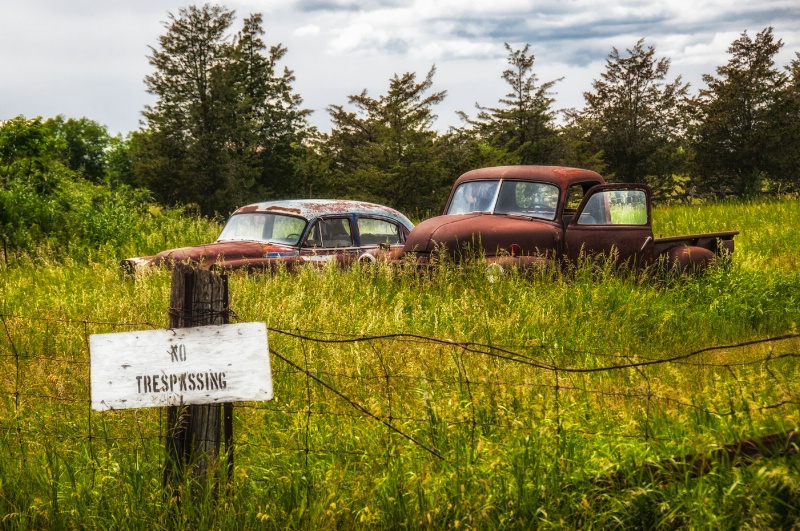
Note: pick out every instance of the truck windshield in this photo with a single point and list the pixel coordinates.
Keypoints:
(523, 198)
(474, 196)
(526, 198)
(258, 226)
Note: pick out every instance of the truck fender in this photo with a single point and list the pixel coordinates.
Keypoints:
(689, 258)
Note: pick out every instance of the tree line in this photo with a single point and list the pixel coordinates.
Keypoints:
(227, 128)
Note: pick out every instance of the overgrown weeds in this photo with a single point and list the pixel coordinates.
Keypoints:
(503, 404)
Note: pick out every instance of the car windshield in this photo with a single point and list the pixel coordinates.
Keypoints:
(524, 198)
(260, 226)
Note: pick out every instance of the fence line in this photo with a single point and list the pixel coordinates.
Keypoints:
(409, 391)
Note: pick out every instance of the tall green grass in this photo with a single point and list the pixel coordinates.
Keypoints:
(768, 229)
(522, 447)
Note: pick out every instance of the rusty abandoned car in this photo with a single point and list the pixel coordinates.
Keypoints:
(526, 215)
(292, 233)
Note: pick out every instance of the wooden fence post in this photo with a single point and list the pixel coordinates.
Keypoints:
(197, 298)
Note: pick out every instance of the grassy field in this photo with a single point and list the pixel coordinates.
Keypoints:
(562, 399)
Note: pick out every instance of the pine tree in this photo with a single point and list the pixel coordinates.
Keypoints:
(225, 128)
(524, 124)
(789, 177)
(270, 125)
(386, 151)
(741, 119)
(637, 119)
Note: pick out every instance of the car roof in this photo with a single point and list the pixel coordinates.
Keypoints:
(560, 176)
(312, 208)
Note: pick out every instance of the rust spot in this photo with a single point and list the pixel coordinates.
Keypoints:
(282, 209)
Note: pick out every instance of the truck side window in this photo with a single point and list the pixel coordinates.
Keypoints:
(574, 197)
(615, 207)
(594, 211)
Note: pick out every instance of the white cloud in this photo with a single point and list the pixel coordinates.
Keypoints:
(88, 57)
(307, 30)
(355, 38)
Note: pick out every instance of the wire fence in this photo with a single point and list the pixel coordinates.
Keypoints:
(381, 400)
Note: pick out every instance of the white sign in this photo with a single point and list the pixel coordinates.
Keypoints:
(200, 365)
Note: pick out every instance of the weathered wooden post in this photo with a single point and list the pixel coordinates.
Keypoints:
(196, 368)
(197, 298)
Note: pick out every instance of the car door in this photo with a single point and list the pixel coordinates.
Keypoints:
(330, 239)
(613, 220)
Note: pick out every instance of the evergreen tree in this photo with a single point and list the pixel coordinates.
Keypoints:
(742, 126)
(226, 127)
(268, 127)
(576, 148)
(636, 119)
(524, 126)
(386, 151)
(462, 150)
(789, 178)
(180, 153)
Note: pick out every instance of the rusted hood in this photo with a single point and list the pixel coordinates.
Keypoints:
(495, 234)
(230, 250)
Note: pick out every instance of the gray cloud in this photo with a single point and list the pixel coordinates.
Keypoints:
(88, 57)
(396, 46)
(349, 5)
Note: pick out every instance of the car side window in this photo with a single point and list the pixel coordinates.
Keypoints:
(330, 232)
(314, 238)
(336, 232)
(373, 231)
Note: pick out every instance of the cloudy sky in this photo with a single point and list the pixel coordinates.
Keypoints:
(88, 58)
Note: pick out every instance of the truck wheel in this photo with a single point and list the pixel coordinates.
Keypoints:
(494, 272)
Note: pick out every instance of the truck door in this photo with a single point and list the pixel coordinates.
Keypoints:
(612, 220)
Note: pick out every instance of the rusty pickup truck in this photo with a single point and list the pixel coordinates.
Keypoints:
(525, 215)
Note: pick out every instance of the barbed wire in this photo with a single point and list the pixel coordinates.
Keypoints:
(394, 415)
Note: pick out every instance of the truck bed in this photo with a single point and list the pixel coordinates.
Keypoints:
(717, 242)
